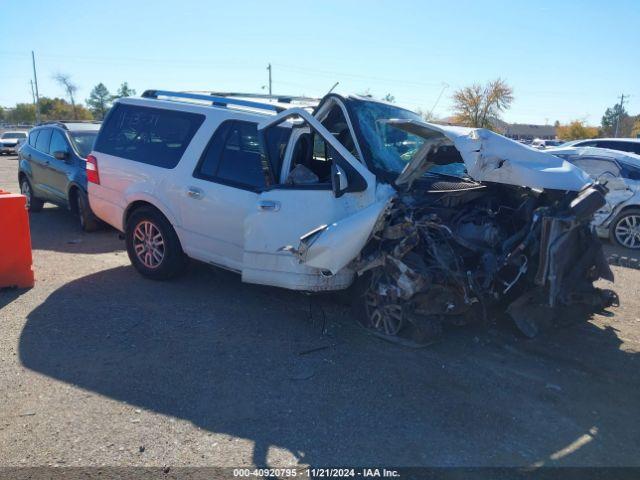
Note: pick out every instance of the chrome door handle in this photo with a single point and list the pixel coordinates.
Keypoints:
(269, 205)
(195, 193)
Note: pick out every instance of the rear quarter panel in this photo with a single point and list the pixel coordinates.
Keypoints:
(123, 182)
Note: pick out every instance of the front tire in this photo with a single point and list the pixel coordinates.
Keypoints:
(625, 229)
(389, 319)
(153, 246)
(34, 204)
(88, 221)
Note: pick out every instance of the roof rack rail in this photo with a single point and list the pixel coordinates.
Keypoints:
(216, 100)
(63, 123)
(277, 98)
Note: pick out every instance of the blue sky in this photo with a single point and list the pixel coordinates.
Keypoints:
(565, 60)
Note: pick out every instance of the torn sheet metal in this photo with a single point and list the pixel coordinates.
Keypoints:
(490, 157)
(332, 247)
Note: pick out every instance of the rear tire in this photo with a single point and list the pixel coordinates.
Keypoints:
(153, 246)
(625, 229)
(88, 221)
(34, 204)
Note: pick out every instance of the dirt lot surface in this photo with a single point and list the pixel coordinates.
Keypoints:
(99, 366)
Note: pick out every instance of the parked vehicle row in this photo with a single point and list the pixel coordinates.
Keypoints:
(427, 224)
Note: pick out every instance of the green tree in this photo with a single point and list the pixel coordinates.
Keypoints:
(611, 117)
(635, 131)
(389, 98)
(60, 109)
(22, 113)
(124, 91)
(480, 106)
(99, 101)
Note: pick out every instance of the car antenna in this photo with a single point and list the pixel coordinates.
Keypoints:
(331, 89)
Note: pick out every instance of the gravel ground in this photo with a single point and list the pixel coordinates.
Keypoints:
(99, 366)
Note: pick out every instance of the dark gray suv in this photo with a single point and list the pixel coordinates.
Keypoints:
(53, 168)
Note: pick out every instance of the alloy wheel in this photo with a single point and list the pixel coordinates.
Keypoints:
(148, 244)
(383, 313)
(627, 231)
(25, 189)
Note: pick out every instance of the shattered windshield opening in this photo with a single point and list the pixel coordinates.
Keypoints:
(389, 148)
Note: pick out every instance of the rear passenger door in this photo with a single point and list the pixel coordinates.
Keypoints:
(222, 190)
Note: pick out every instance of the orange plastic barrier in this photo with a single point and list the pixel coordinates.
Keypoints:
(15, 242)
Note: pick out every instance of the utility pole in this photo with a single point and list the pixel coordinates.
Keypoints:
(619, 114)
(35, 81)
(33, 94)
(269, 68)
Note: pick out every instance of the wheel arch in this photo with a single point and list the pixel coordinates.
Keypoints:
(631, 206)
(139, 203)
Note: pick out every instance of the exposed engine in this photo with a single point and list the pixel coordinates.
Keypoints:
(450, 251)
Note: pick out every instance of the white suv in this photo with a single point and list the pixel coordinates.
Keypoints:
(308, 195)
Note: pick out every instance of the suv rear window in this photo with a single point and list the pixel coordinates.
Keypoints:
(148, 135)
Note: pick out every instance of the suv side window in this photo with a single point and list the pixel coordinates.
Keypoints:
(32, 138)
(595, 167)
(233, 156)
(42, 143)
(148, 135)
(620, 145)
(58, 143)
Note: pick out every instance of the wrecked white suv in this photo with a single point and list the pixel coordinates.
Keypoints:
(427, 224)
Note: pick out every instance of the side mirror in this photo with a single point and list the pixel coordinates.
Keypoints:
(339, 182)
(60, 155)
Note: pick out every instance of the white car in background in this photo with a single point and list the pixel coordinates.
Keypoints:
(619, 219)
(10, 141)
(541, 144)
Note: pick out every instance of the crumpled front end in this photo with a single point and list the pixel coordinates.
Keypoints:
(515, 236)
(453, 256)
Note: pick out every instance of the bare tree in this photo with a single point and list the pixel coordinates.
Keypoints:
(71, 88)
(480, 106)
